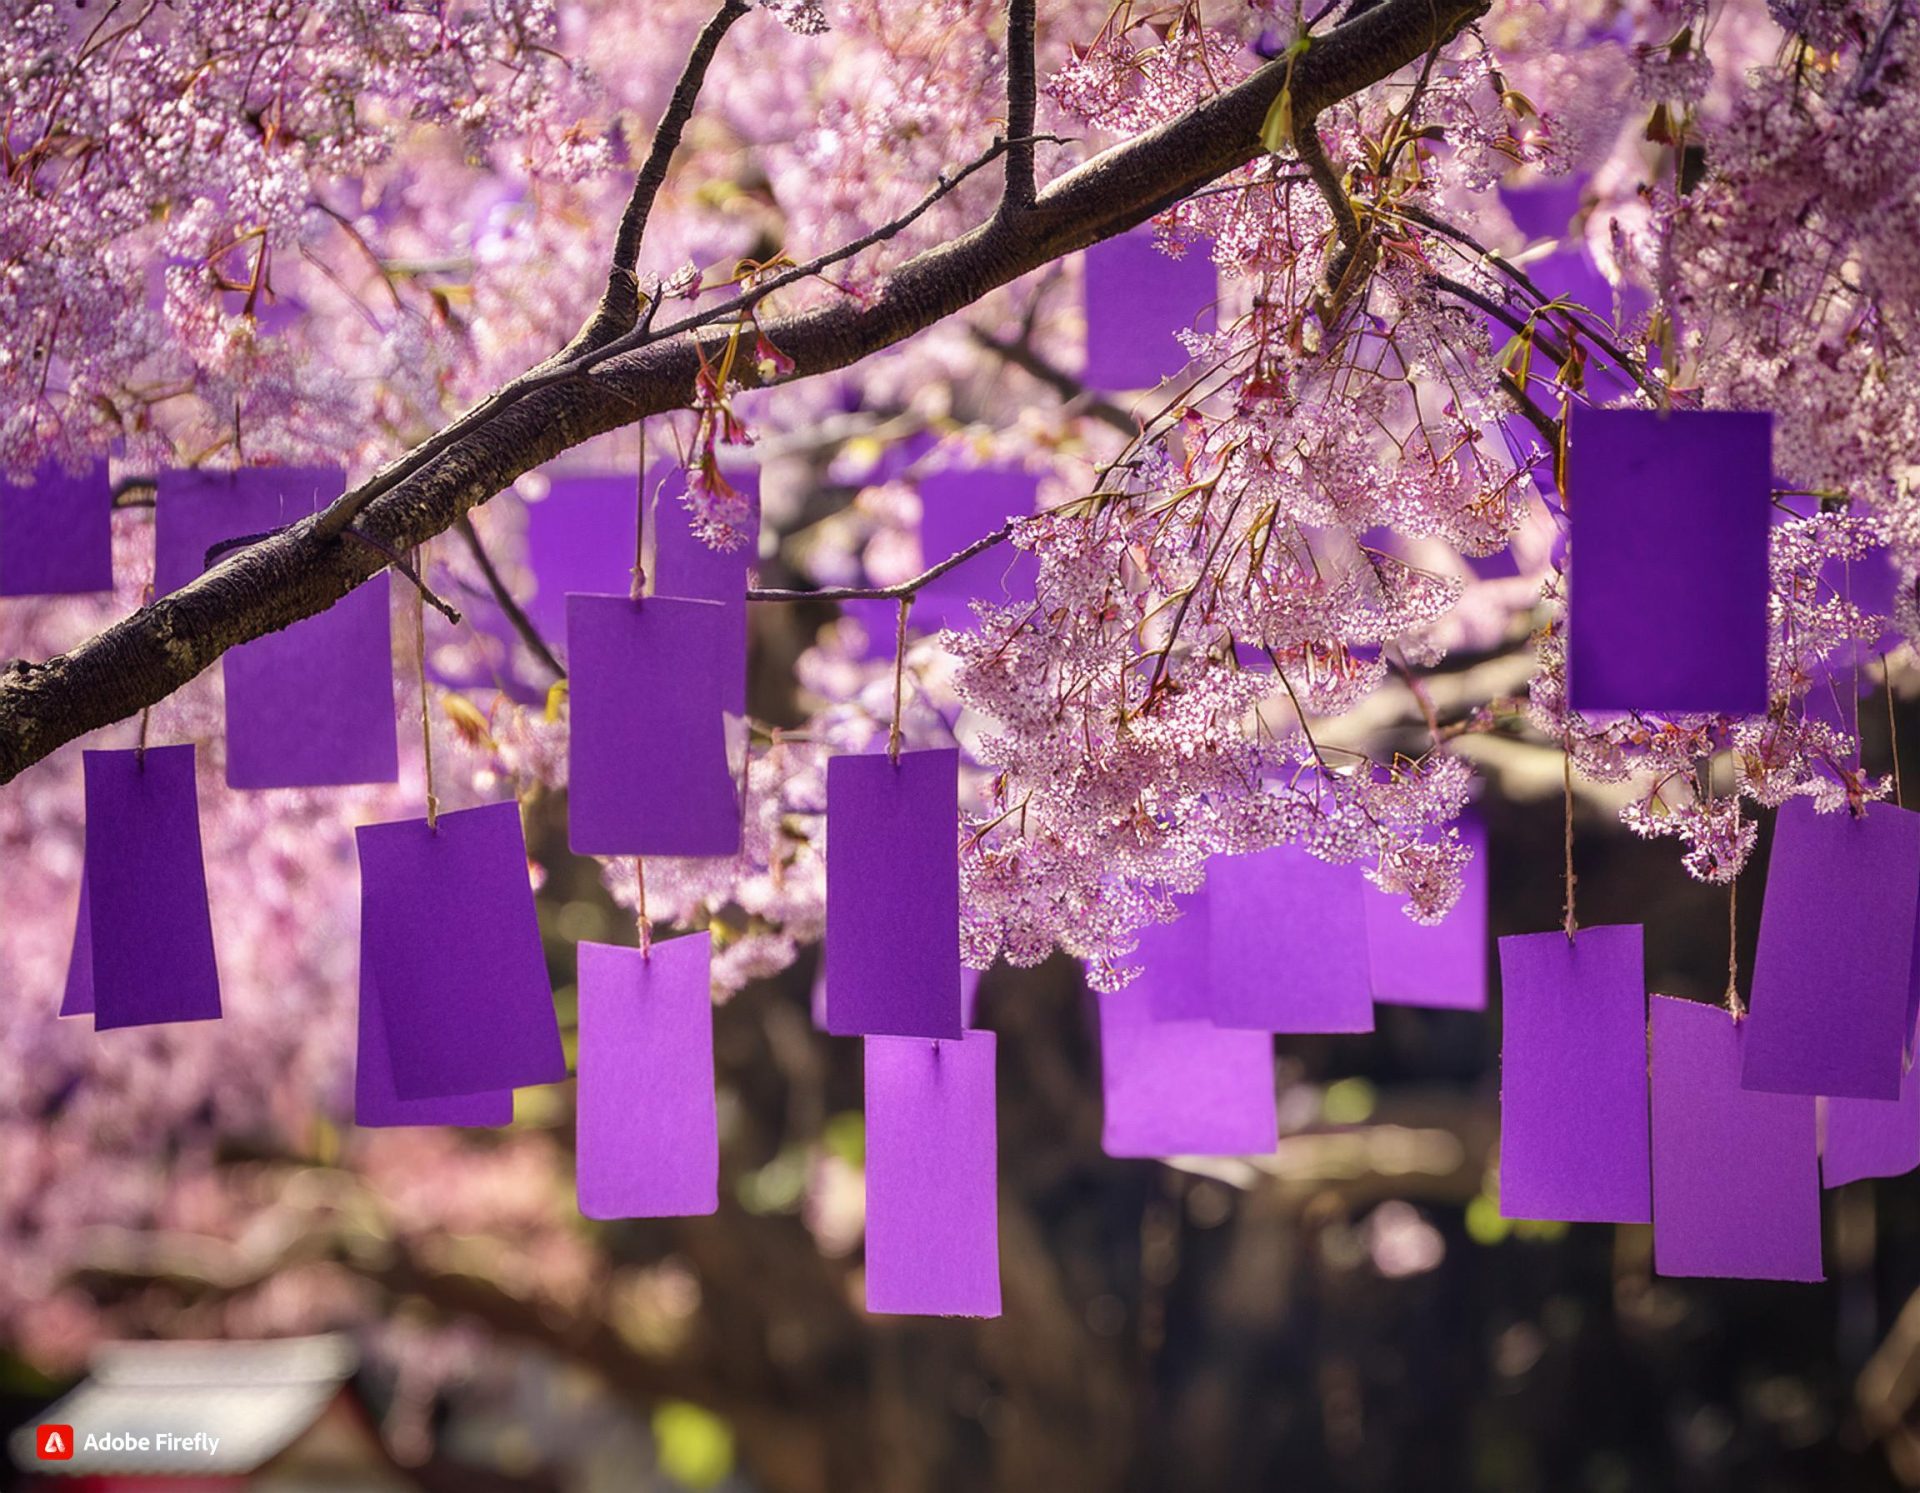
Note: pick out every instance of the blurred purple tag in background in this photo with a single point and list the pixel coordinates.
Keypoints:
(580, 537)
(1182, 1088)
(648, 1140)
(933, 1222)
(959, 506)
(1831, 976)
(1736, 1177)
(56, 534)
(1442, 966)
(1573, 1077)
(647, 745)
(1668, 585)
(447, 917)
(1175, 973)
(686, 565)
(76, 999)
(893, 895)
(378, 1105)
(150, 935)
(1871, 1137)
(1287, 943)
(1137, 299)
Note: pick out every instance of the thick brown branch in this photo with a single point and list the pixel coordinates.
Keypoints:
(1022, 101)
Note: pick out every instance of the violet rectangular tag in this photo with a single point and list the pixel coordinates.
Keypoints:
(647, 744)
(893, 895)
(647, 1140)
(933, 1220)
(684, 564)
(1830, 978)
(1287, 943)
(1442, 966)
(580, 537)
(1871, 1137)
(1736, 1181)
(150, 935)
(447, 917)
(1668, 586)
(1573, 1077)
(76, 999)
(1182, 1088)
(1137, 302)
(197, 509)
(958, 507)
(56, 533)
(1175, 974)
(378, 1105)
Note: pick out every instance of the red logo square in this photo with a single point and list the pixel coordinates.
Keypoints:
(54, 1443)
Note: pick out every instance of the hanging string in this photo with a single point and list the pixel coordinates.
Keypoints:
(643, 922)
(1566, 785)
(1736, 1007)
(1893, 728)
(426, 717)
(899, 678)
(640, 524)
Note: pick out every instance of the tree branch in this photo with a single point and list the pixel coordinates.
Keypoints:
(1022, 100)
(898, 592)
(511, 609)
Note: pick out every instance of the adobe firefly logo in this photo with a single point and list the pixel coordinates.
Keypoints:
(54, 1443)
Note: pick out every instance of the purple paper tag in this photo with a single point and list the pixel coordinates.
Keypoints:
(1871, 1137)
(1830, 978)
(77, 997)
(958, 507)
(150, 935)
(1442, 966)
(197, 509)
(447, 916)
(1138, 300)
(378, 1105)
(893, 895)
(686, 565)
(1287, 943)
(933, 1230)
(647, 1135)
(1736, 1177)
(1573, 1077)
(647, 746)
(1668, 584)
(1182, 1088)
(56, 534)
(580, 537)
(1175, 974)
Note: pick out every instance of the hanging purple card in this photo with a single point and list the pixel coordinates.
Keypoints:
(1442, 966)
(580, 537)
(1736, 1177)
(446, 916)
(197, 509)
(958, 507)
(77, 998)
(56, 534)
(1287, 943)
(647, 1134)
(1182, 1088)
(684, 564)
(1830, 978)
(893, 895)
(1174, 974)
(1137, 302)
(1871, 1137)
(933, 1231)
(1573, 1077)
(150, 935)
(647, 747)
(378, 1105)
(1668, 580)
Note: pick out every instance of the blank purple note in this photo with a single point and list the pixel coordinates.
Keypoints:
(447, 918)
(1830, 978)
(1175, 974)
(1668, 585)
(56, 533)
(893, 895)
(1573, 1077)
(1871, 1137)
(1442, 966)
(647, 746)
(1736, 1178)
(76, 999)
(1182, 1088)
(1137, 302)
(933, 1222)
(1287, 943)
(150, 935)
(684, 564)
(958, 507)
(378, 1105)
(648, 1140)
(580, 537)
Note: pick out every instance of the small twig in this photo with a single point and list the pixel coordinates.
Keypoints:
(1022, 98)
(399, 563)
(1022, 356)
(904, 591)
(1566, 784)
(511, 609)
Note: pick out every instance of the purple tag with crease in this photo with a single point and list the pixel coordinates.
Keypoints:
(447, 916)
(1668, 585)
(893, 895)
(1573, 1077)
(1736, 1177)
(1182, 1088)
(647, 745)
(56, 535)
(647, 1131)
(1174, 972)
(1443, 966)
(933, 1221)
(378, 1105)
(580, 537)
(958, 507)
(686, 565)
(1137, 301)
(77, 998)
(1830, 978)
(150, 935)
(1287, 943)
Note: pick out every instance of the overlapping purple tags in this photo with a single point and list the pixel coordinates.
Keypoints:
(1287, 945)
(958, 507)
(647, 747)
(56, 533)
(447, 917)
(648, 1140)
(377, 1103)
(1736, 1181)
(1442, 966)
(1573, 1077)
(684, 564)
(893, 895)
(1182, 1087)
(1830, 978)
(1138, 301)
(1668, 586)
(581, 537)
(933, 1231)
(149, 935)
